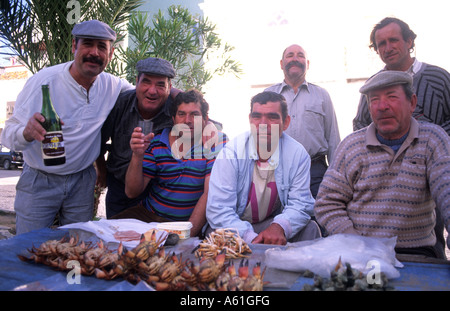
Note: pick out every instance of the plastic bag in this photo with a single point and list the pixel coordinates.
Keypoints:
(321, 255)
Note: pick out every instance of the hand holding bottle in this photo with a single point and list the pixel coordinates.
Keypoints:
(34, 129)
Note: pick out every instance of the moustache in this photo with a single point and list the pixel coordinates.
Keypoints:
(380, 116)
(95, 60)
(295, 63)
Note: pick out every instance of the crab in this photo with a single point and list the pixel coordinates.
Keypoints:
(254, 282)
(210, 269)
(147, 246)
(170, 269)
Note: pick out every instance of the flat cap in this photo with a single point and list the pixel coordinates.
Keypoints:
(94, 29)
(384, 79)
(156, 66)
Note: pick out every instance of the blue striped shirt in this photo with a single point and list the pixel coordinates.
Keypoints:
(176, 184)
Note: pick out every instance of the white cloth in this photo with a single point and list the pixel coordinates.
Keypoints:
(106, 228)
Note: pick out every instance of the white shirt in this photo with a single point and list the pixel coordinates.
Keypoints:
(415, 67)
(83, 115)
(263, 196)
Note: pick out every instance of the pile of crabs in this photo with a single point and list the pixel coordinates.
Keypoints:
(149, 262)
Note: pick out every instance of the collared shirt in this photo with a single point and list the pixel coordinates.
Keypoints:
(313, 119)
(177, 184)
(373, 191)
(120, 125)
(82, 112)
(415, 67)
(231, 179)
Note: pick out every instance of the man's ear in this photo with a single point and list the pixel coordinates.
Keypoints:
(286, 122)
(410, 43)
(413, 102)
(111, 53)
(74, 45)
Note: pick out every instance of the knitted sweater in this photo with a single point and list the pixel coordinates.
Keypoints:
(372, 191)
(432, 87)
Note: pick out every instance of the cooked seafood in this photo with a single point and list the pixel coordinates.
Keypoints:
(220, 240)
(150, 263)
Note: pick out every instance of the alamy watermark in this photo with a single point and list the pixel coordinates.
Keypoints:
(265, 140)
(374, 274)
(74, 275)
(74, 14)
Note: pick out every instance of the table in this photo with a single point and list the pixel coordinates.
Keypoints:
(18, 275)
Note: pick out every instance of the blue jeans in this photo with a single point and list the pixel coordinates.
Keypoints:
(41, 196)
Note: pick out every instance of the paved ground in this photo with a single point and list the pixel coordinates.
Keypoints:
(8, 181)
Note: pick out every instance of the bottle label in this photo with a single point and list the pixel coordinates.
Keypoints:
(53, 145)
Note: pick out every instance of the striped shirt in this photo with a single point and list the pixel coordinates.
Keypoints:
(432, 87)
(373, 191)
(176, 184)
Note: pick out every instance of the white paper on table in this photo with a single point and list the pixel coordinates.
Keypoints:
(105, 229)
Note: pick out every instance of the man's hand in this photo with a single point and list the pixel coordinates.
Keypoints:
(139, 142)
(34, 130)
(274, 234)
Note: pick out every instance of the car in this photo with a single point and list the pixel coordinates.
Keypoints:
(9, 158)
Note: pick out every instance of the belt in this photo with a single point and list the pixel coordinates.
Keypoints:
(26, 166)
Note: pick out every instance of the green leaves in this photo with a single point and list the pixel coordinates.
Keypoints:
(39, 31)
(188, 42)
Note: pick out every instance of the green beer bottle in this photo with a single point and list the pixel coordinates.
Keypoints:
(53, 151)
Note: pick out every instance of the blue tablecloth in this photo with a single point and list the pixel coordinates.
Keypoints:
(18, 275)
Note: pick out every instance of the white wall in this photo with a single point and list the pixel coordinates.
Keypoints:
(9, 89)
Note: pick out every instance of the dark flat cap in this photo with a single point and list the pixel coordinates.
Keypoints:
(384, 79)
(155, 66)
(94, 29)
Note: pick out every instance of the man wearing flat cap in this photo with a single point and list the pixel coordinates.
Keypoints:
(387, 179)
(149, 101)
(394, 41)
(82, 95)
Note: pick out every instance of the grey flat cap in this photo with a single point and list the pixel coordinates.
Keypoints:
(155, 66)
(384, 79)
(94, 29)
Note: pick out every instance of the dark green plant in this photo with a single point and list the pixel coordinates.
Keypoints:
(189, 42)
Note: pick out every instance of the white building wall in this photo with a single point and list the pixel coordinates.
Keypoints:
(9, 89)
